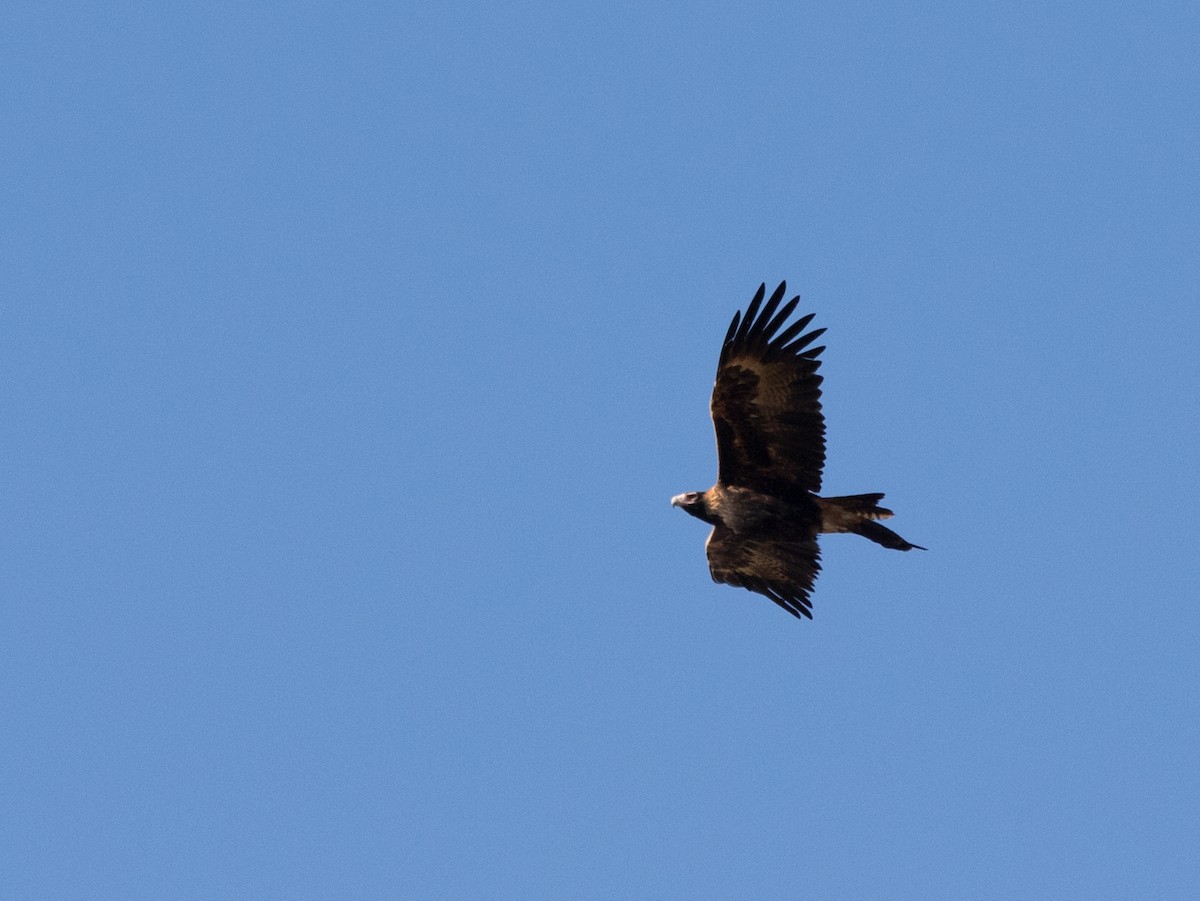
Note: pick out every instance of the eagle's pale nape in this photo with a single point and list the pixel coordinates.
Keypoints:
(764, 508)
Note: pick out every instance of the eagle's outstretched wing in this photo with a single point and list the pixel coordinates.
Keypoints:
(766, 403)
(783, 571)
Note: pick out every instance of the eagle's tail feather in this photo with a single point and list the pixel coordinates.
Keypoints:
(883, 535)
(857, 513)
(863, 504)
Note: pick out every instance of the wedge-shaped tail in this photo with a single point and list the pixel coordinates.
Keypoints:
(883, 535)
(857, 513)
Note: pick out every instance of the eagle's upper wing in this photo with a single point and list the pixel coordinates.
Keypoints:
(783, 571)
(766, 404)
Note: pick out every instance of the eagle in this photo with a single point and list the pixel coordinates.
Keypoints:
(764, 508)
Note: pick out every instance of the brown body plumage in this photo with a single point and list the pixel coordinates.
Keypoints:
(764, 508)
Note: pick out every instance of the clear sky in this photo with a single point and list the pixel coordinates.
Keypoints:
(352, 353)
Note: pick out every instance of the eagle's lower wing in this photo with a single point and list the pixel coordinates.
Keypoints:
(766, 403)
(783, 571)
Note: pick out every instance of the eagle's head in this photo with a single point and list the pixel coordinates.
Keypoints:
(695, 503)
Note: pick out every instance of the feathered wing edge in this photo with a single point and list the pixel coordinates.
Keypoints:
(755, 331)
(783, 572)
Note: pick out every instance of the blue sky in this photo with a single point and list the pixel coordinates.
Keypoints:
(353, 353)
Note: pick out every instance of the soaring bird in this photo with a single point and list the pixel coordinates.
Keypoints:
(764, 508)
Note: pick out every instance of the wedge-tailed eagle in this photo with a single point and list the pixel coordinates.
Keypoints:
(764, 508)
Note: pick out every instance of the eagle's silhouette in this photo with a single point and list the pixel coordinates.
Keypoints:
(764, 508)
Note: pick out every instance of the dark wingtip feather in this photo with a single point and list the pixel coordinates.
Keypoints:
(798, 609)
(792, 331)
(795, 605)
(777, 295)
(770, 328)
(760, 332)
(788, 607)
(804, 340)
(751, 313)
(737, 318)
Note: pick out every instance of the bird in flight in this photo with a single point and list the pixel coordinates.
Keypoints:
(764, 508)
